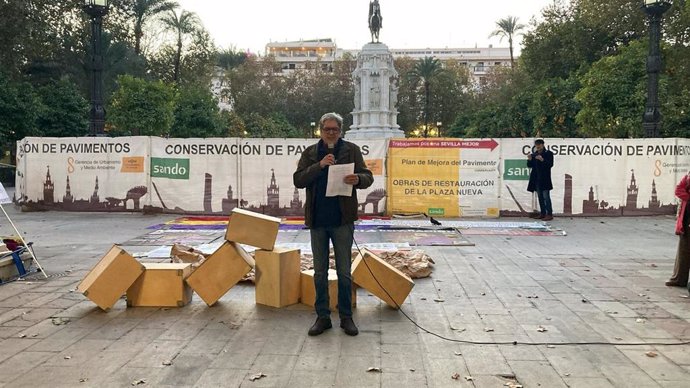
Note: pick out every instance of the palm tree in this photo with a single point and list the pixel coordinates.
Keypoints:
(424, 71)
(508, 27)
(183, 24)
(144, 10)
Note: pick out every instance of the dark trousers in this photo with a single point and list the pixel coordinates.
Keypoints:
(342, 237)
(682, 266)
(544, 202)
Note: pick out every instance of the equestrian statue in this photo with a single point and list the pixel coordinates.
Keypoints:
(375, 20)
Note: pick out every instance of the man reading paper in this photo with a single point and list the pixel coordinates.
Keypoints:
(331, 218)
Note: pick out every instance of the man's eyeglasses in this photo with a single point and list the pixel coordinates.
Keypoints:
(336, 129)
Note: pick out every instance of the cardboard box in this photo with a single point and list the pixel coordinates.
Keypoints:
(308, 292)
(277, 277)
(161, 285)
(253, 229)
(220, 272)
(111, 277)
(397, 285)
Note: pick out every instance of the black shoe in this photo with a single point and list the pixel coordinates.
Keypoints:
(348, 326)
(321, 325)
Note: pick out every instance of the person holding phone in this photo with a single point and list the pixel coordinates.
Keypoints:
(541, 161)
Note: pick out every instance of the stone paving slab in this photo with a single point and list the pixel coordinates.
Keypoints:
(603, 282)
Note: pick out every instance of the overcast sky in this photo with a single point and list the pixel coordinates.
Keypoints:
(251, 24)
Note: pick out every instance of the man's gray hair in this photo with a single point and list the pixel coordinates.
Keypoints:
(331, 116)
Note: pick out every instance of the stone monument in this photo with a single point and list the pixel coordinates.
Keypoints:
(376, 87)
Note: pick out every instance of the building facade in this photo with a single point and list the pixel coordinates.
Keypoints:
(302, 54)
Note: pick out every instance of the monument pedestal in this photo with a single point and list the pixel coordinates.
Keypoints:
(376, 95)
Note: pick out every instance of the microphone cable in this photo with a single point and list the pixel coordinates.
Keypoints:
(584, 343)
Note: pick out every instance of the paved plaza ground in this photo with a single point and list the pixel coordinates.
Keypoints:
(603, 282)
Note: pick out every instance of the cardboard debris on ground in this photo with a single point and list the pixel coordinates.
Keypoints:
(185, 254)
(414, 263)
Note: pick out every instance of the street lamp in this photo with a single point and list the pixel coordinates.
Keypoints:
(96, 9)
(439, 124)
(313, 126)
(651, 120)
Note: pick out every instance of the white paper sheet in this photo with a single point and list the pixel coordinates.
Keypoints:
(336, 176)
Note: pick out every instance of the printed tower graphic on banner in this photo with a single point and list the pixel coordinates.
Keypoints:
(93, 203)
(631, 199)
(593, 205)
(272, 196)
(296, 203)
(568, 194)
(68, 198)
(229, 203)
(654, 202)
(48, 189)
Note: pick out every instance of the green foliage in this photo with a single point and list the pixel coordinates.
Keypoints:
(553, 108)
(230, 58)
(562, 43)
(63, 110)
(141, 107)
(18, 110)
(613, 94)
(196, 114)
(275, 125)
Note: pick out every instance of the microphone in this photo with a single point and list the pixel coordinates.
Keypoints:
(331, 148)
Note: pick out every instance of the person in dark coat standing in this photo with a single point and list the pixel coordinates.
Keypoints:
(331, 219)
(541, 161)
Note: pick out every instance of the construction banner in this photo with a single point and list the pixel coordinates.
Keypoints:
(439, 177)
(599, 176)
(83, 173)
(444, 177)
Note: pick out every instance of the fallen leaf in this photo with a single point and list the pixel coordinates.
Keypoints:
(550, 346)
(640, 320)
(483, 293)
(541, 329)
(618, 338)
(385, 352)
(67, 357)
(488, 329)
(22, 335)
(83, 380)
(139, 382)
(374, 369)
(455, 376)
(653, 265)
(439, 300)
(411, 369)
(469, 378)
(257, 376)
(422, 298)
(685, 296)
(566, 374)
(167, 362)
(651, 354)
(458, 353)
(584, 300)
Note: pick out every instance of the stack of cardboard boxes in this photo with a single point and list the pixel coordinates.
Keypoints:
(279, 282)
